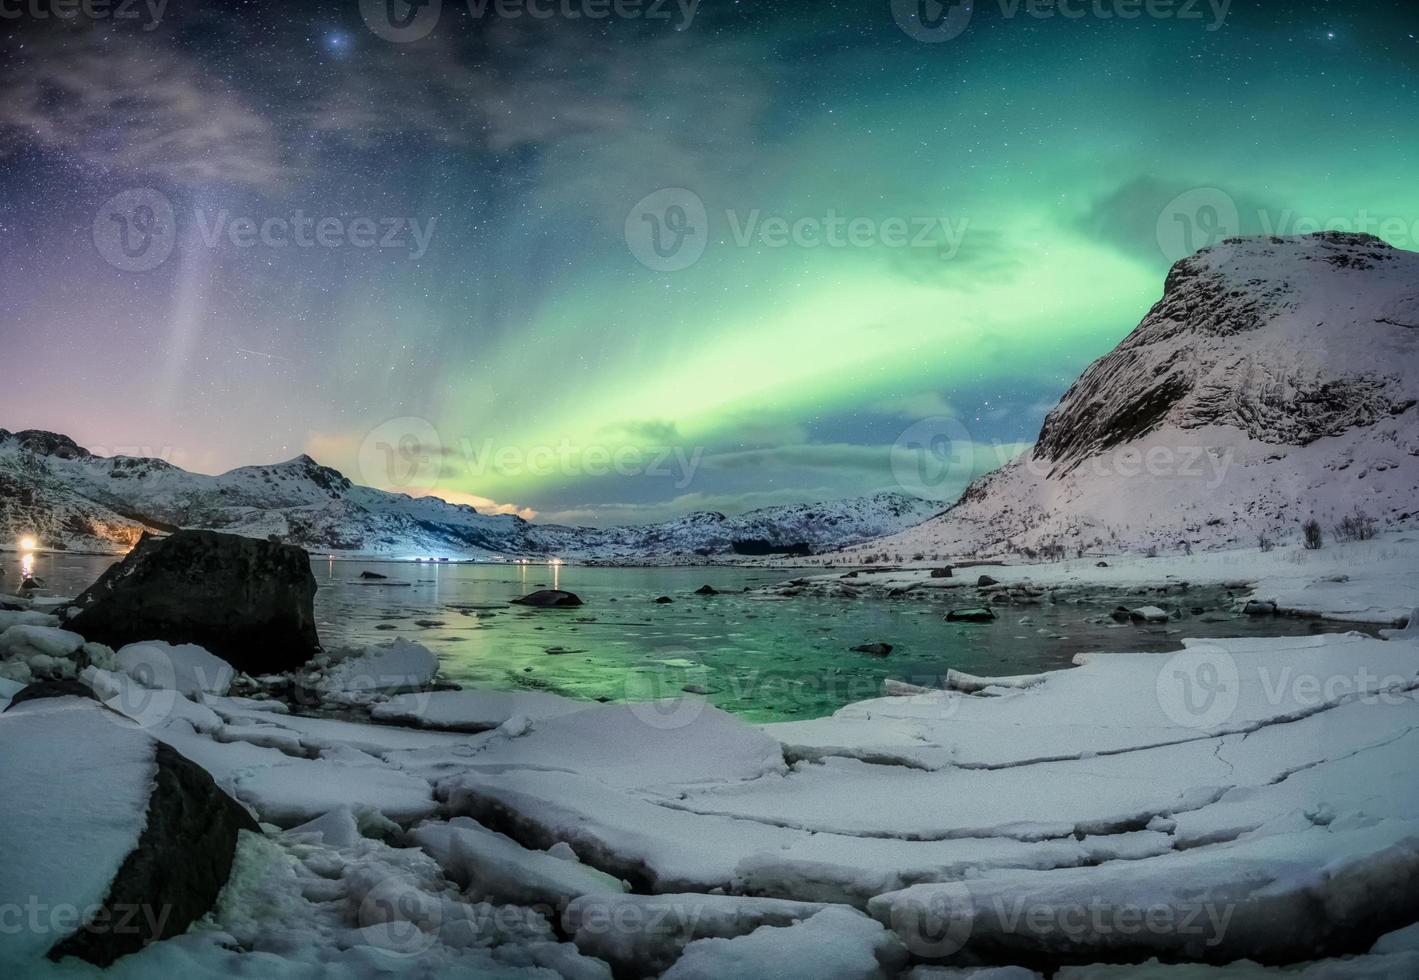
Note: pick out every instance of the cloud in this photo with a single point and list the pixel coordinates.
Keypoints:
(611, 514)
(137, 106)
(1127, 218)
(483, 505)
(925, 404)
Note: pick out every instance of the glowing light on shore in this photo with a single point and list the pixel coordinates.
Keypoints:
(28, 544)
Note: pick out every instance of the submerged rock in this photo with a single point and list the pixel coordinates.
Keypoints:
(549, 599)
(977, 615)
(372, 575)
(662, 600)
(707, 590)
(249, 602)
(985, 580)
(876, 649)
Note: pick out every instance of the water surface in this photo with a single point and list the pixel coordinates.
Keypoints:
(766, 659)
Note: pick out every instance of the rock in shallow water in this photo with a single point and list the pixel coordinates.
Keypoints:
(549, 599)
(249, 602)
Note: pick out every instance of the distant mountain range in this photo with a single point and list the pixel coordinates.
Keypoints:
(1275, 382)
(54, 490)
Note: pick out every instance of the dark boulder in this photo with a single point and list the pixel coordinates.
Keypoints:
(663, 599)
(142, 838)
(549, 599)
(372, 575)
(876, 649)
(941, 572)
(707, 590)
(980, 615)
(1101, 564)
(64, 687)
(249, 602)
(180, 864)
(985, 580)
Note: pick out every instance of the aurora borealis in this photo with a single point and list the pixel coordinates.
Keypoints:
(785, 359)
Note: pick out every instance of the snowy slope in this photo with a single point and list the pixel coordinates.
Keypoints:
(1275, 381)
(55, 490)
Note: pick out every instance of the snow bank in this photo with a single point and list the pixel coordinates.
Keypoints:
(645, 934)
(185, 667)
(495, 868)
(471, 711)
(398, 665)
(835, 944)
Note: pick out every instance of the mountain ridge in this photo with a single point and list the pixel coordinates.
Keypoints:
(1275, 382)
(54, 489)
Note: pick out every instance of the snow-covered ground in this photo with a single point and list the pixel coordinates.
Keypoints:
(1373, 581)
(1235, 802)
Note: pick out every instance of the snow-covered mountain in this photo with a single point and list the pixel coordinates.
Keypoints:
(58, 492)
(1275, 381)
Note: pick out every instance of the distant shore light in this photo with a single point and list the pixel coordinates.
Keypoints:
(28, 544)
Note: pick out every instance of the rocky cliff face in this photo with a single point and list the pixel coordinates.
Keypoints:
(1276, 380)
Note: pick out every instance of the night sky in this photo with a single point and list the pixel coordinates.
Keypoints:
(506, 256)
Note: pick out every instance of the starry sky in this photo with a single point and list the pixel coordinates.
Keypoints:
(605, 269)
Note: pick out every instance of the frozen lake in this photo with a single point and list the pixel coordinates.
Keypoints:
(764, 659)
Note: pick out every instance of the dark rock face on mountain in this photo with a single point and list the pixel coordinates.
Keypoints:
(1190, 362)
(1276, 381)
(250, 602)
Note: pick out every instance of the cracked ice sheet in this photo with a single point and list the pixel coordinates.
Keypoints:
(641, 841)
(1109, 703)
(1102, 794)
(633, 746)
(1282, 898)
